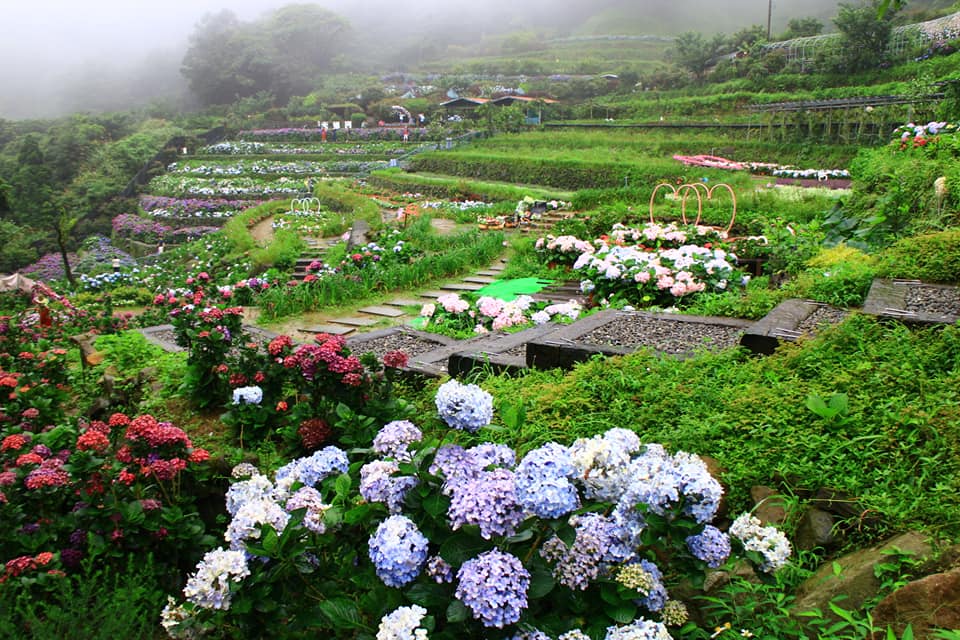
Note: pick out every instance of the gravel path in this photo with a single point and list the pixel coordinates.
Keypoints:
(923, 299)
(823, 315)
(667, 336)
(410, 344)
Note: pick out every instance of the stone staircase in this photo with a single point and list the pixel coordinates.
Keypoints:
(316, 250)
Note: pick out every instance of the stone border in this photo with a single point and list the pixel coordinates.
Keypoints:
(887, 299)
(154, 335)
(560, 349)
(430, 364)
(764, 336)
(488, 352)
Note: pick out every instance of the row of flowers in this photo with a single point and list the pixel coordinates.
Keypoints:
(763, 168)
(270, 167)
(142, 229)
(192, 208)
(590, 539)
(180, 186)
(914, 136)
(311, 134)
(241, 147)
(451, 313)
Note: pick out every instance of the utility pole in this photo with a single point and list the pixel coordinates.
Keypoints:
(769, 14)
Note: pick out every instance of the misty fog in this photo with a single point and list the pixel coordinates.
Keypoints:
(61, 56)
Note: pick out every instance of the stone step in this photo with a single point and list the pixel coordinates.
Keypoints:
(332, 329)
(433, 294)
(462, 286)
(488, 272)
(357, 321)
(479, 279)
(386, 312)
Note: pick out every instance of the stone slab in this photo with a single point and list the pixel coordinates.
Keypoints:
(433, 294)
(404, 302)
(561, 348)
(781, 324)
(357, 321)
(332, 329)
(489, 272)
(888, 299)
(462, 286)
(479, 279)
(386, 312)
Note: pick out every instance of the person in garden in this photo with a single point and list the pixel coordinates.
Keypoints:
(323, 134)
(406, 134)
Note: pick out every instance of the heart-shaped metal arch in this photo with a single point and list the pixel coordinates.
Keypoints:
(684, 191)
(305, 205)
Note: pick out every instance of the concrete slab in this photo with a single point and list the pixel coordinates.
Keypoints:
(480, 279)
(489, 272)
(386, 312)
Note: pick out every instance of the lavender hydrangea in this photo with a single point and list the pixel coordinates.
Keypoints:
(257, 487)
(459, 466)
(490, 502)
(542, 482)
(310, 499)
(464, 406)
(378, 484)
(711, 546)
(490, 454)
(662, 482)
(494, 587)
(398, 551)
(440, 570)
(403, 623)
(394, 438)
(209, 587)
(599, 545)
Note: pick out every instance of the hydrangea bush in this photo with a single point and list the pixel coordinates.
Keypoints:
(454, 314)
(607, 537)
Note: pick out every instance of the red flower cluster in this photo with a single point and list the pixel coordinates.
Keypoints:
(14, 442)
(50, 473)
(93, 440)
(313, 433)
(279, 344)
(395, 359)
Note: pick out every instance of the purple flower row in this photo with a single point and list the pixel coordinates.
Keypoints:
(188, 206)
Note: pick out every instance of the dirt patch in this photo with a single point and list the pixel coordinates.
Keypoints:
(262, 232)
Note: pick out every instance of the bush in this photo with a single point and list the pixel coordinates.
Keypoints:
(932, 257)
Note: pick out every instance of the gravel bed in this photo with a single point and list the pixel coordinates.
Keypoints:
(823, 315)
(399, 341)
(944, 300)
(168, 338)
(667, 336)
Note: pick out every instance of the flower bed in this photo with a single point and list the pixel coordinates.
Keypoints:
(763, 168)
(193, 209)
(452, 314)
(245, 187)
(241, 147)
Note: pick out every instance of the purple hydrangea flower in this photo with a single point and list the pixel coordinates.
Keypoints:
(490, 502)
(711, 546)
(599, 544)
(378, 484)
(392, 440)
(494, 587)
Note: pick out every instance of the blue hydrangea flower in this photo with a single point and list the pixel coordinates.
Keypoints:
(209, 587)
(403, 624)
(247, 521)
(542, 482)
(398, 551)
(394, 438)
(490, 502)
(662, 482)
(464, 406)
(489, 454)
(711, 546)
(440, 570)
(312, 469)
(599, 544)
(656, 594)
(310, 499)
(247, 395)
(494, 587)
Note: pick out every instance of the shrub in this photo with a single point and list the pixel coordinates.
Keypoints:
(933, 257)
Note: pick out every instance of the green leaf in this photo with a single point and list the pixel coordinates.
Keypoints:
(457, 611)
(460, 547)
(623, 612)
(342, 485)
(428, 595)
(541, 582)
(271, 541)
(341, 612)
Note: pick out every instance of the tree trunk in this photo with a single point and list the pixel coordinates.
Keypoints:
(61, 242)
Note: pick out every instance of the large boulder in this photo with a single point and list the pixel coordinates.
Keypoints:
(853, 576)
(771, 507)
(815, 529)
(932, 602)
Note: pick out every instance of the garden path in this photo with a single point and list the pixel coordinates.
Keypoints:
(262, 232)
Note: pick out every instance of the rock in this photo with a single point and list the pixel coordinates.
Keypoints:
(815, 529)
(88, 353)
(926, 604)
(771, 507)
(716, 470)
(855, 580)
(358, 234)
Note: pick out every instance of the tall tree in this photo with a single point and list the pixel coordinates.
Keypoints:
(864, 37)
(696, 53)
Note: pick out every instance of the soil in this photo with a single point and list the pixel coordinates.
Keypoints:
(262, 232)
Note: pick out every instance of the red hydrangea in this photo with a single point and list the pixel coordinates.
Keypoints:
(91, 440)
(28, 458)
(14, 442)
(313, 433)
(395, 359)
(118, 420)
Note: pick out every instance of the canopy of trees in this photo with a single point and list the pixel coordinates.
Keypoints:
(283, 53)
